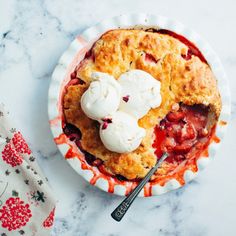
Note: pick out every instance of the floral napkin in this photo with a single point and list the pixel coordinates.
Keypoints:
(27, 204)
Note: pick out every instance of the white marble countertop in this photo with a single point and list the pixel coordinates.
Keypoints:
(33, 34)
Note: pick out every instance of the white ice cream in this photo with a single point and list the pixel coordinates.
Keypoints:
(123, 134)
(102, 98)
(118, 104)
(140, 93)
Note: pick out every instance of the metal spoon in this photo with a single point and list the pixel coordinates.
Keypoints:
(120, 211)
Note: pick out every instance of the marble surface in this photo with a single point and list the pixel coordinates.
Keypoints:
(33, 34)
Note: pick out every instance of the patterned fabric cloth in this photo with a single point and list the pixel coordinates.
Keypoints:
(27, 204)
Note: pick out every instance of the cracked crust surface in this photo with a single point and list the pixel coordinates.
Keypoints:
(188, 81)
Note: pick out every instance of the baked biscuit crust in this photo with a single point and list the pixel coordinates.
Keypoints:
(117, 51)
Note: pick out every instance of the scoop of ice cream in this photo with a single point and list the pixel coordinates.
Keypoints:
(121, 133)
(140, 93)
(102, 98)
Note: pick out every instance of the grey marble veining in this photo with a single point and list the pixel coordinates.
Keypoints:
(33, 35)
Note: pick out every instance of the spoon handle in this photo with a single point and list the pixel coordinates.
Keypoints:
(120, 211)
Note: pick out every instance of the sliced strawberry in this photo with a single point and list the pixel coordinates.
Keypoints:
(73, 75)
(188, 56)
(74, 136)
(175, 116)
(188, 132)
(203, 132)
(97, 162)
(175, 158)
(78, 144)
(183, 148)
(75, 81)
(150, 58)
(103, 170)
(179, 158)
(168, 144)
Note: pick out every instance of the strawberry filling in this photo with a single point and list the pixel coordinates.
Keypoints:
(182, 133)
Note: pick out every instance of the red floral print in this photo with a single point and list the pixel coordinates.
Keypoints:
(20, 144)
(10, 155)
(14, 214)
(49, 220)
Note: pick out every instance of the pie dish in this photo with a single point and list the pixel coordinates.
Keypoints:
(186, 124)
